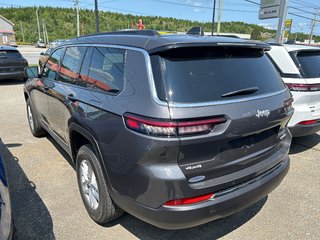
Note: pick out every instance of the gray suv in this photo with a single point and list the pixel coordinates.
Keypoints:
(177, 130)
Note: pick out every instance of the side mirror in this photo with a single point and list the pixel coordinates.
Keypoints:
(31, 72)
(42, 53)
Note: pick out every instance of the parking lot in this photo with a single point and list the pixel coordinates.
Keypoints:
(47, 204)
(31, 53)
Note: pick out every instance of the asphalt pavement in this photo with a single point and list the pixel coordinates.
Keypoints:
(31, 53)
(47, 204)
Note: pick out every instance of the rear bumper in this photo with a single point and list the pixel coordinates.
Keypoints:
(12, 75)
(223, 205)
(304, 130)
(306, 107)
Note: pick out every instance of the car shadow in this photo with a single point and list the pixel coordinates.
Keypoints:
(31, 217)
(301, 144)
(11, 82)
(212, 230)
(63, 153)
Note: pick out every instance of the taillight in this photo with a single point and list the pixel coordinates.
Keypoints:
(309, 122)
(288, 104)
(185, 201)
(303, 87)
(169, 128)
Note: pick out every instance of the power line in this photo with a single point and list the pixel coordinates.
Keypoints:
(305, 4)
(251, 2)
(202, 7)
(302, 10)
(297, 15)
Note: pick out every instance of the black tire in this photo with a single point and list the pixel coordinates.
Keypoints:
(106, 210)
(34, 125)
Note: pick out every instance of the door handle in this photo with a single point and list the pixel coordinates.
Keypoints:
(71, 98)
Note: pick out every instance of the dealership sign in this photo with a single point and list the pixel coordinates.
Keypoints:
(269, 12)
(269, 3)
(269, 9)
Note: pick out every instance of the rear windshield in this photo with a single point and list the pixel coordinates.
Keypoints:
(310, 63)
(10, 54)
(193, 75)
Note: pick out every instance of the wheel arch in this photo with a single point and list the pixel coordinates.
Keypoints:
(79, 137)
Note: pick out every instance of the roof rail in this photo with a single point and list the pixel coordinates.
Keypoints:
(126, 32)
(196, 31)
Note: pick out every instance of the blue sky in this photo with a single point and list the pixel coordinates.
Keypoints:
(200, 10)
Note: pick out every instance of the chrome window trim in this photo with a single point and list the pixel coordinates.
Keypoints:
(153, 86)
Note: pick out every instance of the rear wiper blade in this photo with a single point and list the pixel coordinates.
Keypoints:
(241, 92)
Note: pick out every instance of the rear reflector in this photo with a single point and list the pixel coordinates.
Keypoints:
(158, 127)
(303, 87)
(185, 201)
(308, 122)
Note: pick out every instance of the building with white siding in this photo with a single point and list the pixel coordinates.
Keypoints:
(6, 31)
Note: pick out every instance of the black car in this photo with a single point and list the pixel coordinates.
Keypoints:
(6, 226)
(12, 63)
(177, 130)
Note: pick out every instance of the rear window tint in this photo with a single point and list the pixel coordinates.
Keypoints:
(193, 75)
(10, 54)
(309, 63)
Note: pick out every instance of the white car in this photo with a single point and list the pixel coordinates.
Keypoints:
(299, 67)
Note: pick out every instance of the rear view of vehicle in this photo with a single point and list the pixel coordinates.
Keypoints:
(12, 63)
(175, 130)
(299, 67)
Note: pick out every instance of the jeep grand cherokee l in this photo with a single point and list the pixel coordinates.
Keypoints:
(177, 130)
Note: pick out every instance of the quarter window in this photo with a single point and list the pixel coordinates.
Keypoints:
(310, 63)
(105, 71)
(70, 67)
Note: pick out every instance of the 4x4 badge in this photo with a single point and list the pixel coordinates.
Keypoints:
(263, 113)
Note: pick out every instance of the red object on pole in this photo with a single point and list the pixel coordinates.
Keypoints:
(139, 26)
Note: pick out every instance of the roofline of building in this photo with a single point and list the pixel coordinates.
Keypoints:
(7, 20)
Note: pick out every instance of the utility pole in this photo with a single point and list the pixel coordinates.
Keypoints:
(78, 21)
(45, 30)
(313, 24)
(97, 15)
(219, 16)
(282, 19)
(44, 33)
(22, 31)
(38, 22)
(213, 13)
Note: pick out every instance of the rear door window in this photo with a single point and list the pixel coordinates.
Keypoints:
(194, 75)
(105, 71)
(70, 67)
(309, 63)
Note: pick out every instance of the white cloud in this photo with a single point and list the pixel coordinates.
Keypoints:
(197, 5)
(268, 26)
